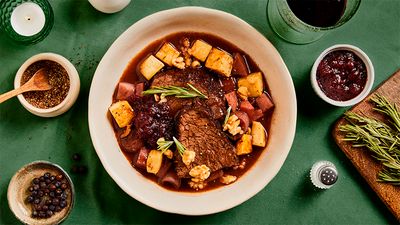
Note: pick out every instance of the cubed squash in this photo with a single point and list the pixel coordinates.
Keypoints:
(122, 113)
(258, 134)
(150, 66)
(200, 50)
(244, 146)
(254, 84)
(220, 62)
(167, 53)
(154, 161)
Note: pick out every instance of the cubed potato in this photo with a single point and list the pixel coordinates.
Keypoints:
(254, 84)
(258, 134)
(244, 146)
(220, 62)
(167, 53)
(154, 161)
(122, 113)
(150, 67)
(200, 50)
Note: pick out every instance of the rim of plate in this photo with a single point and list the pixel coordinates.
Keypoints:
(192, 199)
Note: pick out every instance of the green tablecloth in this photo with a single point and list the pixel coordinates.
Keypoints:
(83, 35)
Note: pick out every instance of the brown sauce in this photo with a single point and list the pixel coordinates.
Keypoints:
(132, 75)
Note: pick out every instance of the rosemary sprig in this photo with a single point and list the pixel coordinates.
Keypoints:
(228, 114)
(382, 139)
(179, 92)
(163, 145)
(179, 146)
(385, 107)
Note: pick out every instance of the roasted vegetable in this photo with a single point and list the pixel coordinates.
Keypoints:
(264, 102)
(200, 50)
(258, 134)
(220, 62)
(167, 53)
(244, 146)
(154, 161)
(150, 67)
(254, 84)
(122, 113)
(239, 66)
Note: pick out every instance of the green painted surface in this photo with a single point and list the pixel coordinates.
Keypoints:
(83, 35)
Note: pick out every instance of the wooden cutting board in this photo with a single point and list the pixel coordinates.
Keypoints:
(362, 160)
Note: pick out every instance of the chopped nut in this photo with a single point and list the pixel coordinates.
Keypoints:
(188, 61)
(127, 131)
(161, 99)
(186, 43)
(197, 184)
(168, 153)
(241, 165)
(200, 172)
(243, 92)
(156, 97)
(233, 125)
(227, 179)
(178, 63)
(195, 64)
(188, 157)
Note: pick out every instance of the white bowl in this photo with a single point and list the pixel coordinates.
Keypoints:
(238, 32)
(368, 65)
(73, 89)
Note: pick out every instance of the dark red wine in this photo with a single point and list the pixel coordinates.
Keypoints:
(318, 13)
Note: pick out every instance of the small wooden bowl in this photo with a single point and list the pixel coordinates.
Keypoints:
(18, 192)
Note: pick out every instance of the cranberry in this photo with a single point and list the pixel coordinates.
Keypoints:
(341, 75)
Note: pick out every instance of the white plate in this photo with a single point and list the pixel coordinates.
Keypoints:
(238, 32)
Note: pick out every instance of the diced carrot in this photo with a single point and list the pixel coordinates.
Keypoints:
(141, 158)
(257, 114)
(239, 66)
(228, 84)
(244, 120)
(125, 91)
(246, 107)
(139, 89)
(231, 98)
(264, 102)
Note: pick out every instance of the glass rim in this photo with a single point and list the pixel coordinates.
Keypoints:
(308, 26)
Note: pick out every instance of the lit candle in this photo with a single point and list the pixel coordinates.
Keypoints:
(28, 19)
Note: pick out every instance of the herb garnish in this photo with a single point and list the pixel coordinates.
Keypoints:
(228, 114)
(163, 145)
(179, 92)
(382, 139)
(179, 146)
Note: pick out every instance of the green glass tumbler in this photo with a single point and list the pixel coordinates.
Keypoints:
(26, 21)
(292, 29)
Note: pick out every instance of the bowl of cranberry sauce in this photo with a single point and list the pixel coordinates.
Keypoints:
(342, 75)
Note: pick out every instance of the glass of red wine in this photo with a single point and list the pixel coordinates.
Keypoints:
(305, 21)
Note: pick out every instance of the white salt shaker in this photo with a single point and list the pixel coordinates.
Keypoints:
(109, 6)
(323, 174)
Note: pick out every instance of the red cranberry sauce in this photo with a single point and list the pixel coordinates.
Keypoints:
(341, 75)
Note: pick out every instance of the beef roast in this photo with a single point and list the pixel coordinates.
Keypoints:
(198, 132)
(206, 83)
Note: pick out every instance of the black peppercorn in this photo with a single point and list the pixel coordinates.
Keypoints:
(76, 157)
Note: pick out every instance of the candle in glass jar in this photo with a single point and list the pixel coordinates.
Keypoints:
(28, 19)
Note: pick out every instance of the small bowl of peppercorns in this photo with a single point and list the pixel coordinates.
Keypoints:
(63, 78)
(342, 75)
(41, 193)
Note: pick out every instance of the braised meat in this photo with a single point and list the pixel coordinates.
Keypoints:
(202, 80)
(199, 133)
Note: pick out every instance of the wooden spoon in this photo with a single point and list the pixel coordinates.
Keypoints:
(38, 82)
